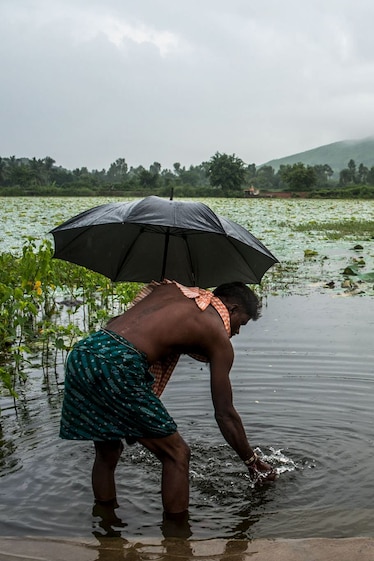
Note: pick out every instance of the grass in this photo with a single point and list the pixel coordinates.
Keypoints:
(337, 230)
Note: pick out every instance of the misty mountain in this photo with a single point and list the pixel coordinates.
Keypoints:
(336, 155)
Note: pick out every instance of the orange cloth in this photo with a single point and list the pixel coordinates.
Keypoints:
(163, 369)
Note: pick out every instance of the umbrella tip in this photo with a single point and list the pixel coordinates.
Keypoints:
(171, 193)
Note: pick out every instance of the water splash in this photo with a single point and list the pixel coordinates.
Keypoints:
(281, 462)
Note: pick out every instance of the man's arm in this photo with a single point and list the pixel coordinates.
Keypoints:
(227, 417)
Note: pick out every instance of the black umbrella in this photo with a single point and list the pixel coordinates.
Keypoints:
(156, 238)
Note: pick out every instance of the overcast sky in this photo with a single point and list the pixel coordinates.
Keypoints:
(89, 81)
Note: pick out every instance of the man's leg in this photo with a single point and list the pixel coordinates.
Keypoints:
(174, 455)
(106, 459)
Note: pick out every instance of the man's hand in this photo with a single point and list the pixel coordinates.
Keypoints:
(261, 472)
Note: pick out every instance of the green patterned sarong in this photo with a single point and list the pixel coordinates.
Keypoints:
(108, 393)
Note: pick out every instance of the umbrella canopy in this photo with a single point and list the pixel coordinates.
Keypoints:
(156, 238)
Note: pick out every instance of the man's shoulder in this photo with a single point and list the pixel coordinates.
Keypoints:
(209, 323)
(173, 310)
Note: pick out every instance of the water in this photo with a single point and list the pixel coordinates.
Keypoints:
(303, 383)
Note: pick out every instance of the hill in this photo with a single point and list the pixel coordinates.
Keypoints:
(336, 155)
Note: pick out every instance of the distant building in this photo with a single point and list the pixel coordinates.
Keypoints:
(251, 192)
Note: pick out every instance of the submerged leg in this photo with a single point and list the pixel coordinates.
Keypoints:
(106, 459)
(174, 455)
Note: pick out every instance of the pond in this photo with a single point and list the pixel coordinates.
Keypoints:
(299, 232)
(303, 382)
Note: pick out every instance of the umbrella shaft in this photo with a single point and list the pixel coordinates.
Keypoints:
(166, 246)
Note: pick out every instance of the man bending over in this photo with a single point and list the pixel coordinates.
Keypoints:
(115, 376)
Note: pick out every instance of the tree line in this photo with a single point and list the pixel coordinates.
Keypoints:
(223, 175)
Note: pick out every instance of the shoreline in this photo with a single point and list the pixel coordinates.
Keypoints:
(116, 549)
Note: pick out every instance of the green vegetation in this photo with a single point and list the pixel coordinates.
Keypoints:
(298, 177)
(227, 173)
(222, 176)
(353, 192)
(341, 229)
(45, 305)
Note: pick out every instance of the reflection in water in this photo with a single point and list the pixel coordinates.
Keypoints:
(119, 549)
(110, 525)
(113, 549)
(8, 459)
(176, 530)
(25, 420)
(108, 521)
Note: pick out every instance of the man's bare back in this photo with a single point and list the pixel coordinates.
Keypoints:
(166, 321)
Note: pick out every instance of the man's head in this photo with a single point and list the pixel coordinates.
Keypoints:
(241, 302)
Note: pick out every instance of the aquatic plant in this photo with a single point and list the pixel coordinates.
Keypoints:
(340, 228)
(46, 305)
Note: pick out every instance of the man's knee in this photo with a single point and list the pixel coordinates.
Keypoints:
(108, 452)
(183, 452)
(179, 452)
(171, 448)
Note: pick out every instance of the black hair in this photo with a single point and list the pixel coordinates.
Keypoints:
(240, 294)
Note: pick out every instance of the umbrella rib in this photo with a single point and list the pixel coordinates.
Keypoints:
(164, 263)
(129, 249)
(82, 231)
(245, 261)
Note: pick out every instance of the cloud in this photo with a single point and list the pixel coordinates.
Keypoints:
(89, 81)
